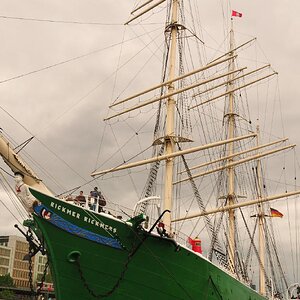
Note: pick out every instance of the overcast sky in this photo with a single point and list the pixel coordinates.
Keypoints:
(63, 105)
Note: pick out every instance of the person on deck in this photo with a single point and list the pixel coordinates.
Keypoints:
(80, 199)
(98, 198)
(91, 200)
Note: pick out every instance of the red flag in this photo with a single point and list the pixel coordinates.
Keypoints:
(275, 213)
(236, 14)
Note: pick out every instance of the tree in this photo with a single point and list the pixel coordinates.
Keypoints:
(6, 281)
(7, 295)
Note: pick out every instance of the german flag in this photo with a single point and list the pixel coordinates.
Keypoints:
(275, 213)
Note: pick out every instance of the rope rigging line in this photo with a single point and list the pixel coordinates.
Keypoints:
(251, 244)
(15, 203)
(267, 237)
(13, 118)
(7, 173)
(254, 246)
(10, 192)
(124, 161)
(68, 22)
(60, 21)
(135, 76)
(125, 143)
(13, 215)
(282, 273)
(93, 89)
(209, 226)
(289, 224)
(296, 217)
(217, 228)
(35, 163)
(156, 126)
(67, 61)
(148, 190)
(46, 147)
(23, 145)
(118, 64)
(150, 183)
(270, 256)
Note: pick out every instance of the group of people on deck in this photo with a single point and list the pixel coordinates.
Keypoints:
(95, 199)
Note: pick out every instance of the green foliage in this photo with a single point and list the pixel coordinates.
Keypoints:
(7, 295)
(6, 280)
(48, 278)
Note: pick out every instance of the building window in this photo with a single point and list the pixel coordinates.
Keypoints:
(3, 271)
(4, 261)
(4, 252)
(4, 240)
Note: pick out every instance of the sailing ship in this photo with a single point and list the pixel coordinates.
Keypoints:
(98, 253)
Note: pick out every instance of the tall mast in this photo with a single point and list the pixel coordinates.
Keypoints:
(230, 171)
(261, 220)
(169, 141)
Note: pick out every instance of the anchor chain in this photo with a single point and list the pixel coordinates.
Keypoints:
(36, 293)
(122, 275)
(40, 285)
(33, 249)
(116, 285)
(30, 274)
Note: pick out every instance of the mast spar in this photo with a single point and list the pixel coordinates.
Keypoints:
(169, 134)
(231, 184)
(261, 223)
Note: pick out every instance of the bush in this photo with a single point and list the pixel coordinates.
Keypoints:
(6, 280)
(7, 295)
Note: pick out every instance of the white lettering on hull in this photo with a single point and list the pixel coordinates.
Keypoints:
(86, 219)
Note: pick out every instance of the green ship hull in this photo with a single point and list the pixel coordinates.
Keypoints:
(97, 256)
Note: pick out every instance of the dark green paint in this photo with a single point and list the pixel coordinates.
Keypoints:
(155, 271)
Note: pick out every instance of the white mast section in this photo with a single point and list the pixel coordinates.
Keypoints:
(171, 94)
(233, 90)
(172, 155)
(145, 11)
(234, 79)
(234, 49)
(230, 170)
(141, 6)
(235, 163)
(210, 65)
(234, 154)
(16, 164)
(261, 223)
(170, 131)
(238, 205)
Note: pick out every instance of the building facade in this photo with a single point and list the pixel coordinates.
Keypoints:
(5, 260)
(13, 261)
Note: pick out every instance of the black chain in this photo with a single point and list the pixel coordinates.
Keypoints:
(36, 293)
(32, 251)
(30, 274)
(121, 277)
(40, 285)
(117, 284)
